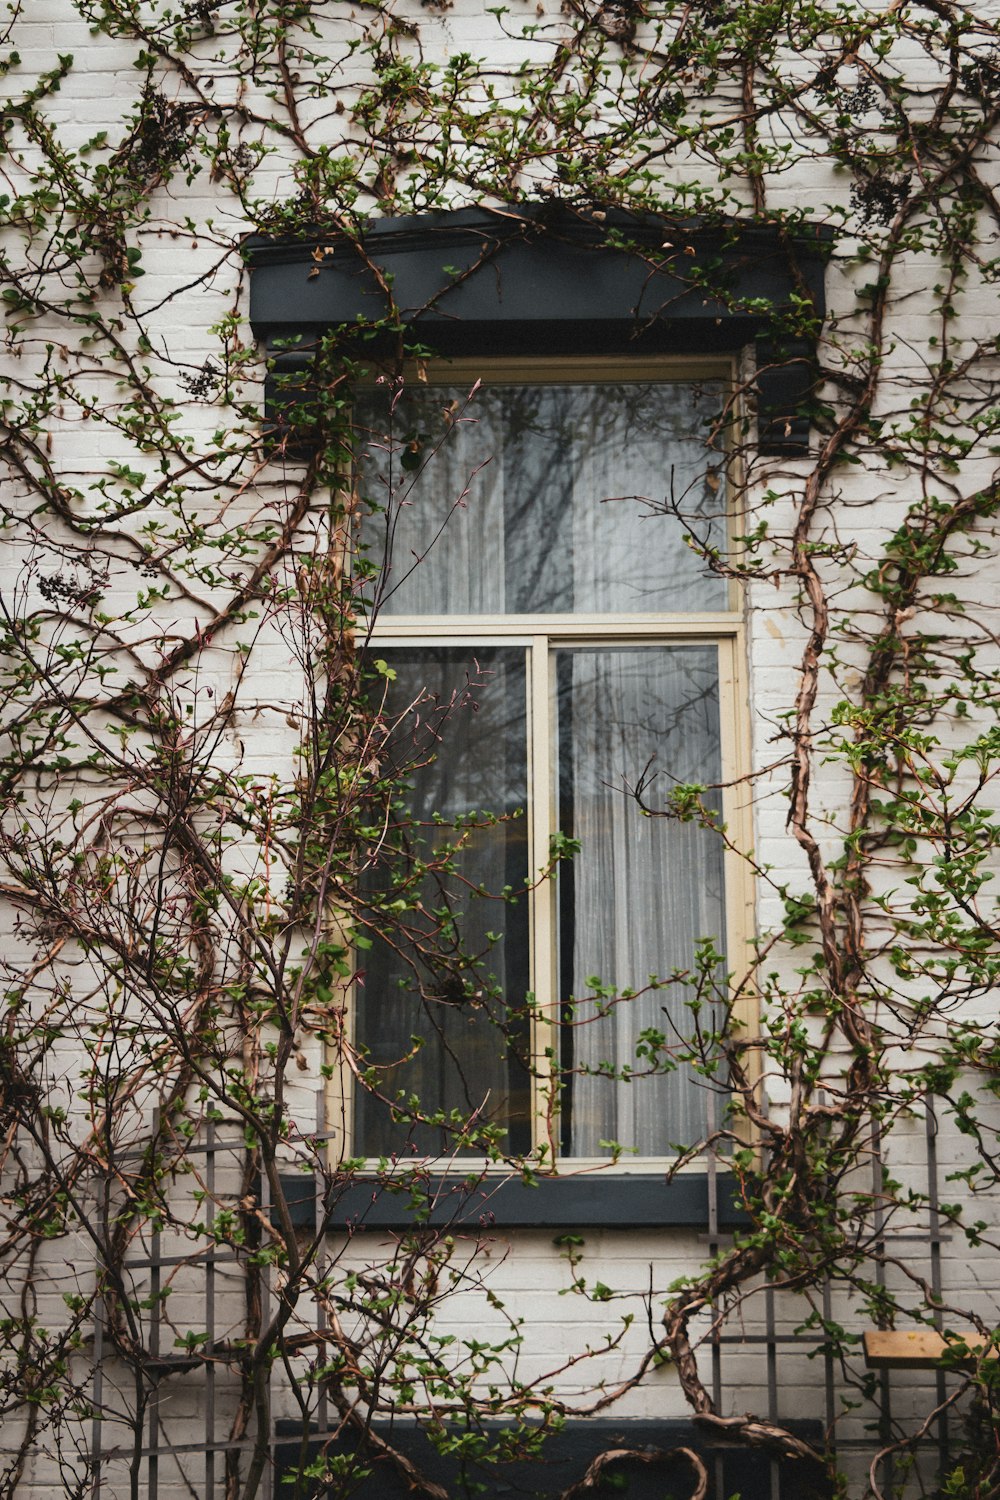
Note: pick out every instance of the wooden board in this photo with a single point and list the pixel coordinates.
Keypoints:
(914, 1349)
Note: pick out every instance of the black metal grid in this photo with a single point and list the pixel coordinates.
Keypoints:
(168, 1461)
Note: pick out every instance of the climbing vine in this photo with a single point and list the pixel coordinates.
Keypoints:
(196, 789)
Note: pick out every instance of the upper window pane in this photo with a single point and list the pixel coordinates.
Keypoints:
(551, 498)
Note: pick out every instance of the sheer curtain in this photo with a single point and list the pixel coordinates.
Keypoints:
(444, 537)
(537, 499)
(642, 890)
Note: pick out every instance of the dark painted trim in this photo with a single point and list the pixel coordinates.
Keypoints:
(595, 1200)
(536, 280)
(564, 1460)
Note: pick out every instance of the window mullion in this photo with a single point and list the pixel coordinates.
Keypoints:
(545, 1030)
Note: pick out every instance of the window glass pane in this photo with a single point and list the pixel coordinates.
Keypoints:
(546, 498)
(448, 971)
(642, 891)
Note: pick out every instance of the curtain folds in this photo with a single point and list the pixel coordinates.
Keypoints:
(645, 889)
(541, 499)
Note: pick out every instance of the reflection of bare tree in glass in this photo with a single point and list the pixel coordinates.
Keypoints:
(569, 505)
(633, 903)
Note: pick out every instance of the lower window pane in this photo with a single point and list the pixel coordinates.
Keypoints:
(640, 894)
(439, 992)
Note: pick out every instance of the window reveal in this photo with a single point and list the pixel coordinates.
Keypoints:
(539, 609)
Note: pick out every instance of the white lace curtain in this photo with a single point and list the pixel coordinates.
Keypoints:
(645, 889)
(548, 499)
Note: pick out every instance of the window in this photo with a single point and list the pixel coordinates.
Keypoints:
(556, 659)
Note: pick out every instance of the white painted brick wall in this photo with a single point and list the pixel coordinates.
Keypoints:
(527, 1272)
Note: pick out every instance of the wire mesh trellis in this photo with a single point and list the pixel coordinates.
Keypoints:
(161, 1458)
(120, 1443)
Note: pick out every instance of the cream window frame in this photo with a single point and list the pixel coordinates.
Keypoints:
(542, 635)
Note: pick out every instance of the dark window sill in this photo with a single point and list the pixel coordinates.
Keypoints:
(732, 1468)
(594, 1200)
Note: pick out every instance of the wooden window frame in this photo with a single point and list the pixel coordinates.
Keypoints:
(541, 634)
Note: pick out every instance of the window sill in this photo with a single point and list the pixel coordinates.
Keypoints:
(567, 1453)
(611, 1200)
